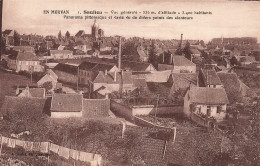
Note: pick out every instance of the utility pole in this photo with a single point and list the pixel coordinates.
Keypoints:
(156, 109)
(78, 79)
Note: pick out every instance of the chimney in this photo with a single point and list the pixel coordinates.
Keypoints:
(171, 58)
(181, 41)
(163, 58)
(115, 76)
(119, 54)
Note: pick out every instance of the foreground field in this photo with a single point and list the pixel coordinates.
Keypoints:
(9, 82)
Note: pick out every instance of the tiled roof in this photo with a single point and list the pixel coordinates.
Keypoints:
(7, 32)
(95, 107)
(211, 76)
(37, 92)
(80, 33)
(61, 52)
(87, 65)
(52, 74)
(182, 61)
(183, 80)
(66, 102)
(195, 51)
(66, 68)
(135, 66)
(162, 67)
(13, 103)
(160, 76)
(102, 67)
(232, 86)
(126, 78)
(204, 95)
(26, 56)
(139, 82)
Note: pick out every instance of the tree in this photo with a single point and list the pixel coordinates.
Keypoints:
(153, 59)
(16, 38)
(130, 51)
(47, 85)
(187, 51)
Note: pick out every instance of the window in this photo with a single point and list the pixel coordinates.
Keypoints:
(218, 109)
(214, 86)
(208, 111)
(59, 103)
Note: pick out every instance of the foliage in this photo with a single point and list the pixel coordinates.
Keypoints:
(187, 51)
(16, 38)
(129, 50)
(47, 85)
(153, 58)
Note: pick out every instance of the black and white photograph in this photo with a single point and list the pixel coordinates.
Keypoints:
(130, 83)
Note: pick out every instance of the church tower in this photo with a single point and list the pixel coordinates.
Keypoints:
(94, 31)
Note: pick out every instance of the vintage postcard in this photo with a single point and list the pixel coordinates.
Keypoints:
(130, 83)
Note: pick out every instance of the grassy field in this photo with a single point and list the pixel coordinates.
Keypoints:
(9, 82)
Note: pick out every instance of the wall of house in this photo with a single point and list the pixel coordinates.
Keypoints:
(151, 109)
(85, 76)
(62, 56)
(191, 69)
(47, 78)
(66, 114)
(186, 106)
(213, 111)
(25, 66)
(199, 120)
(121, 110)
(11, 64)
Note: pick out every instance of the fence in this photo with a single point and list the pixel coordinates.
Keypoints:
(144, 123)
(47, 147)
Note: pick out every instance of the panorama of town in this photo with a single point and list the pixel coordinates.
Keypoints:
(91, 99)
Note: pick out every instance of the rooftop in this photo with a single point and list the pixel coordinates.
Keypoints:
(204, 95)
(67, 102)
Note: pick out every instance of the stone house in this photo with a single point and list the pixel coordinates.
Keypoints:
(207, 102)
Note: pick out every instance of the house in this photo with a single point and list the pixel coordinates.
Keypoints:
(179, 64)
(246, 60)
(89, 69)
(209, 78)
(49, 76)
(24, 61)
(30, 92)
(67, 73)
(137, 66)
(236, 90)
(113, 81)
(195, 52)
(182, 81)
(207, 102)
(61, 54)
(66, 105)
(74, 105)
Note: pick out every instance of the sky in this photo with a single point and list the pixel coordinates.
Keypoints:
(228, 18)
